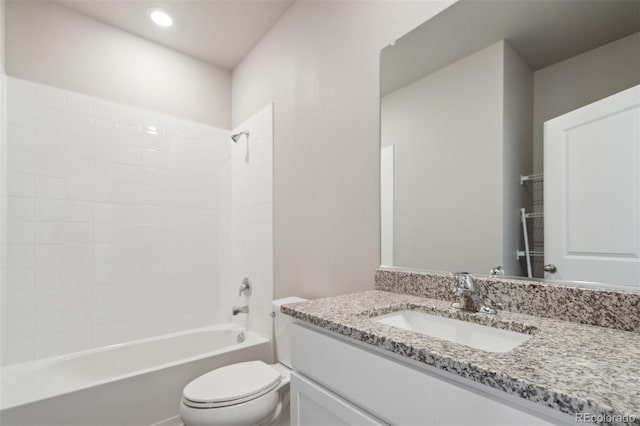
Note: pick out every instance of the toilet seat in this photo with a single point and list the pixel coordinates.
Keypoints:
(195, 404)
(231, 385)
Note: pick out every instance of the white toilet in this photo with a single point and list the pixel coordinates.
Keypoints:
(247, 393)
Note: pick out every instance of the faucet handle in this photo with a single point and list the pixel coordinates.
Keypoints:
(245, 287)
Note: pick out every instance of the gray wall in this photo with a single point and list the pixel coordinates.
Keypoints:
(325, 88)
(3, 156)
(517, 154)
(52, 45)
(447, 132)
(2, 31)
(462, 137)
(581, 80)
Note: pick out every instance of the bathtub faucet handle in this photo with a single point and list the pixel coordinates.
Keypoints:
(245, 288)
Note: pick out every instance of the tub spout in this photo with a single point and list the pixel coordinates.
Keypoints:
(240, 310)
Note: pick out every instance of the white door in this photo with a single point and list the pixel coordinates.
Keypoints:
(592, 192)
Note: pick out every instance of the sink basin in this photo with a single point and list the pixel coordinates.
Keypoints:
(477, 336)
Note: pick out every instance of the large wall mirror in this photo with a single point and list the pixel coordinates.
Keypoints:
(511, 141)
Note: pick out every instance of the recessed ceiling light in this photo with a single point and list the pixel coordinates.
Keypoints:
(160, 17)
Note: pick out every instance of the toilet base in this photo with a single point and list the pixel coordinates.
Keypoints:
(267, 410)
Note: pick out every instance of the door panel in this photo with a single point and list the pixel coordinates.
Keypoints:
(592, 191)
(312, 405)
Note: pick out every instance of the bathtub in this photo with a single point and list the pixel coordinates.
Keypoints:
(135, 383)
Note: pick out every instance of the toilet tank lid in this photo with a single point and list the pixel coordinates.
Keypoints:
(293, 299)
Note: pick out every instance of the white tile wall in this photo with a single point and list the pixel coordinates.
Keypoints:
(250, 238)
(114, 219)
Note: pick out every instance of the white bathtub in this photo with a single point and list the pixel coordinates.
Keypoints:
(136, 383)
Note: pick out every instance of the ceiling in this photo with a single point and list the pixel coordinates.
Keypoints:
(542, 32)
(221, 32)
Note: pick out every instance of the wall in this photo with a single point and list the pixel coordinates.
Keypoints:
(249, 229)
(325, 89)
(2, 35)
(112, 223)
(446, 129)
(3, 153)
(52, 45)
(580, 80)
(517, 155)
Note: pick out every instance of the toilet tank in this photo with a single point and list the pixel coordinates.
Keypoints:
(281, 324)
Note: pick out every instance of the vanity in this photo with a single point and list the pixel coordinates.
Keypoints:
(362, 386)
(375, 358)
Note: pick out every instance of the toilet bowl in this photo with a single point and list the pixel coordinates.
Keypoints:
(246, 393)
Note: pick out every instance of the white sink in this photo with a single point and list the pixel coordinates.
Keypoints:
(477, 336)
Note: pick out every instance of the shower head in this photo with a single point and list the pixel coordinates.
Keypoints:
(236, 137)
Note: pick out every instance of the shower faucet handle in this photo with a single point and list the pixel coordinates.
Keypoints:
(245, 287)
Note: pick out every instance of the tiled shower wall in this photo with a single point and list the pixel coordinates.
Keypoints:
(250, 234)
(114, 228)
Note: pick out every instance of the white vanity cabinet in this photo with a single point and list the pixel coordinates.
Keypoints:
(311, 404)
(340, 381)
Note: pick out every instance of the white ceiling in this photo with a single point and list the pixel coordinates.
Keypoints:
(542, 32)
(221, 32)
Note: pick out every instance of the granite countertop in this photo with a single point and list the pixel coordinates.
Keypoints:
(570, 367)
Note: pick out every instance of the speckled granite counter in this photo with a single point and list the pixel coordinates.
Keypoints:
(604, 307)
(570, 367)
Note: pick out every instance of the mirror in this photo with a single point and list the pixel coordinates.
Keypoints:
(510, 135)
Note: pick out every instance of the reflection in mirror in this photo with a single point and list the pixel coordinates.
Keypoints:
(511, 138)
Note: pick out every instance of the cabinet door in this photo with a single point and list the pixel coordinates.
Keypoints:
(312, 405)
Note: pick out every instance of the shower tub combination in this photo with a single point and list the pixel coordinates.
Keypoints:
(135, 383)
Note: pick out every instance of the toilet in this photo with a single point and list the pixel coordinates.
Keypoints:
(246, 393)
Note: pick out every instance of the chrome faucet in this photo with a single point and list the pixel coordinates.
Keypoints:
(245, 288)
(240, 310)
(470, 299)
